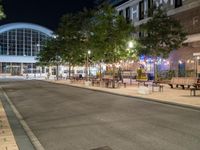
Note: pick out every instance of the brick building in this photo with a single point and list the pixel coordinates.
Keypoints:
(188, 12)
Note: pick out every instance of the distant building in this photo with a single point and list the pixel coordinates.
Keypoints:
(187, 12)
(19, 45)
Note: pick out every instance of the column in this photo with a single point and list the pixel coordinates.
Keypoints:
(22, 69)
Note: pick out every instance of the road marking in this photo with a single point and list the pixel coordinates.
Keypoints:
(34, 140)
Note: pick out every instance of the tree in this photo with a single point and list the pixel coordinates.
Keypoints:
(110, 35)
(2, 15)
(52, 54)
(74, 33)
(162, 34)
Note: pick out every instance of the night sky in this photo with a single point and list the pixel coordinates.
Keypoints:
(43, 12)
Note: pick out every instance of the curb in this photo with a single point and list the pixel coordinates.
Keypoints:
(35, 142)
(138, 97)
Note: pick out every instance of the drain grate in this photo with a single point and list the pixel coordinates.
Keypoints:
(103, 148)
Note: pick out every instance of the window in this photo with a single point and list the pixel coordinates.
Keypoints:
(150, 8)
(21, 42)
(128, 17)
(141, 34)
(121, 12)
(178, 3)
(141, 10)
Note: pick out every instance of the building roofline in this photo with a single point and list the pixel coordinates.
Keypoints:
(22, 25)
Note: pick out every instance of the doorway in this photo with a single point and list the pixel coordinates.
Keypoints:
(181, 70)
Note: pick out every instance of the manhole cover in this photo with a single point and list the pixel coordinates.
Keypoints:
(103, 148)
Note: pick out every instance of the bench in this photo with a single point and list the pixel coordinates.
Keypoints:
(193, 91)
(122, 83)
(160, 86)
(182, 81)
(195, 88)
(96, 82)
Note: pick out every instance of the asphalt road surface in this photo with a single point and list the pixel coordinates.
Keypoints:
(69, 118)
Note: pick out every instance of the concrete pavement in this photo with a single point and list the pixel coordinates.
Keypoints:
(70, 118)
(172, 96)
(7, 140)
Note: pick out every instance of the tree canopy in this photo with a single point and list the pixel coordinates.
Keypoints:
(110, 35)
(162, 34)
(2, 15)
(52, 53)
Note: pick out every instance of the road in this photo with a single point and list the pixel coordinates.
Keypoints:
(69, 118)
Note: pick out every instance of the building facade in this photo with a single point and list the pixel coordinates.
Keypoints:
(187, 12)
(19, 45)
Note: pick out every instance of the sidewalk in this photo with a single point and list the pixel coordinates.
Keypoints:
(171, 96)
(7, 140)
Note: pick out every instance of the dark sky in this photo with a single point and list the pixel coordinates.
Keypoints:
(43, 12)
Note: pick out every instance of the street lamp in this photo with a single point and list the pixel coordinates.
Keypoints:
(130, 44)
(38, 46)
(87, 66)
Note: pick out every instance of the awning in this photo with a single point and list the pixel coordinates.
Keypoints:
(193, 38)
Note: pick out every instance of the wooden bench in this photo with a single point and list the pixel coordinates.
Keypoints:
(182, 81)
(195, 88)
(160, 86)
(122, 83)
(193, 91)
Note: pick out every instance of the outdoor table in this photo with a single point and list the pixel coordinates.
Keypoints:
(142, 81)
(96, 81)
(109, 82)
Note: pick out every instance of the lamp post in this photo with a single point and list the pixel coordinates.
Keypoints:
(130, 46)
(87, 64)
(58, 59)
(37, 52)
(38, 48)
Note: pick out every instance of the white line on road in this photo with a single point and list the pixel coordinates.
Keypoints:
(34, 140)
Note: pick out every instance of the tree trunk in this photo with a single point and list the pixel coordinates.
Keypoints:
(57, 71)
(113, 82)
(155, 71)
(73, 71)
(69, 71)
(100, 73)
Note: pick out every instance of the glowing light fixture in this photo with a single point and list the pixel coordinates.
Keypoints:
(130, 44)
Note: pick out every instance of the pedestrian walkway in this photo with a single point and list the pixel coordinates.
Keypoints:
(172, 96)
(7, 140)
